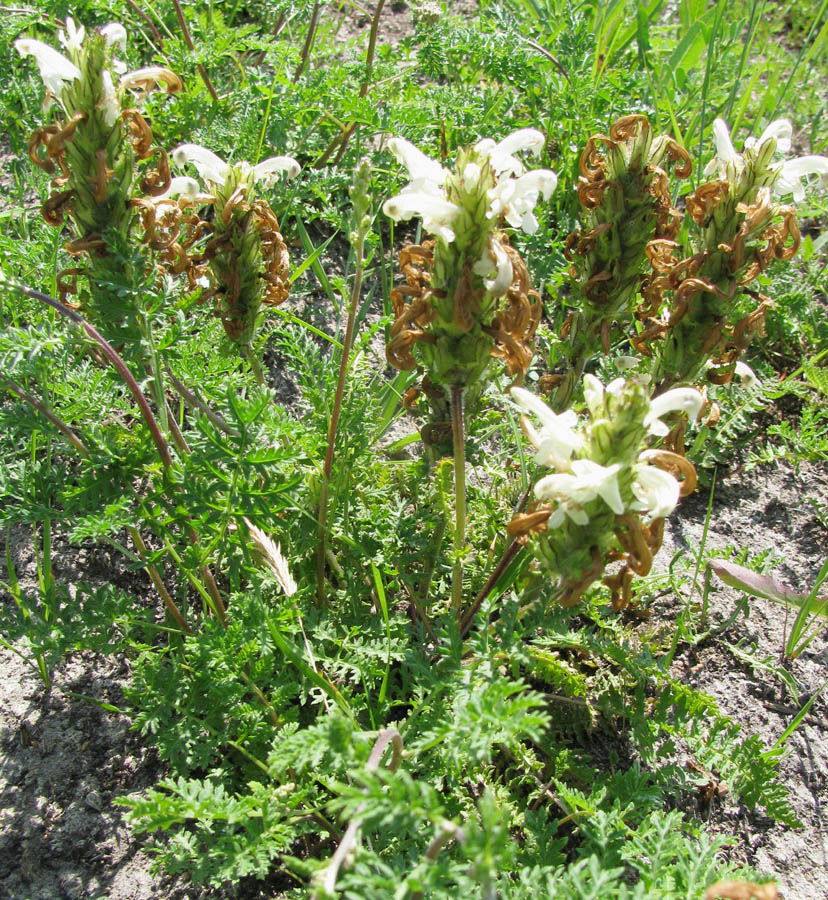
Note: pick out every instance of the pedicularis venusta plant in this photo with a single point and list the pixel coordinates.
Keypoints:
(372, 677)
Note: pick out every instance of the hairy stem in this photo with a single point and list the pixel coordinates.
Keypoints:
(459, 440)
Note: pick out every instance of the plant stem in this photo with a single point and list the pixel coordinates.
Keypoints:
(113, 357)
(191, 47)
(61, 426)
(345, 136)
(359, 250)
(308, 42)
(459, 440)
(174, 611)
(508, 556)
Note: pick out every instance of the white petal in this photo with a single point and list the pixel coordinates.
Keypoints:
(115, 35)
(501, 155)
(657, 491)
(156, 75)
(530, 403)
(593, 394)
(725, 151)
(418, 164)
(109, 103)
(72, 38)
(746, 375)
(683, 399)
(789, 180)
(181, 186)
(504, 273)
(578, 516)
(437, 213)
(209, 166)
(781, 131)
(269, 169)
(55, 69)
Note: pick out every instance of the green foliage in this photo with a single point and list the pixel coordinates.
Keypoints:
(543, 749)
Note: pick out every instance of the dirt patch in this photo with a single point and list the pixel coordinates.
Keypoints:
(770, 509)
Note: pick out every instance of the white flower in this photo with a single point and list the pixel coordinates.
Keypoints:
(181, 186)
(268, 170)
(515, 198)
(497, 274)
(586, 481)
(594, 392)
(437, 213)
(55, 69)
(422, 170)
(501, 155)
(746, 375)
(681, 399)
(656, 491)
(152, 77)
(72, 38)
(210, 167)
(109, 102)
(727, 163)
(214, 170)
(115, 35)
(557, 440)
(789, 179)
(511, 198)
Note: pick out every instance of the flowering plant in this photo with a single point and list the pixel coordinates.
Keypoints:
(467, 295)
(609, 492)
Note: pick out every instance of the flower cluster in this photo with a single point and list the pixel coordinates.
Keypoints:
(754, 167)
(467, 295)
(92, 150)
(247, 255)
(707, 309)
(625, 197)
(609, 493)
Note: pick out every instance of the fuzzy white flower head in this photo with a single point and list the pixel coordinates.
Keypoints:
(557, 440)
(681, 399)
(55, 69)
(656, 491)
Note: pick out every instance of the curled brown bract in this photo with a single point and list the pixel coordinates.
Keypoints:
(89, 243)
(707, 197)
(627, 127)
(140, 132)
(413, 310)
(524, 525)
(40, 138)
(274, 255)
(57, 141)
(67, 283)
(157, 180)
(513, 327)
(56, 206)
(100, 180)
